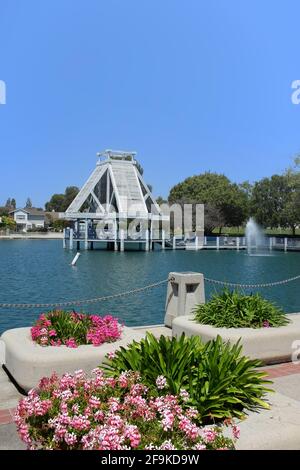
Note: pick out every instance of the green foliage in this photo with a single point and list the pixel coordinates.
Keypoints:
(28, 203)
(65, 326)
(215, 191)
(60, 202)
(7, 222)
(225, 383)
(173, 358)
(220, 381)
(269, 198)
(232, 309)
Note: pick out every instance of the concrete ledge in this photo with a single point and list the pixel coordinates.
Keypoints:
(28, 362)
(268, 344)
(275, 429)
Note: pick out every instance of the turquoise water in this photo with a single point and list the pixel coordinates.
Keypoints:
(39, 271)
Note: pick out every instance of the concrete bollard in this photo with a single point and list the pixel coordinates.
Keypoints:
(184, 292)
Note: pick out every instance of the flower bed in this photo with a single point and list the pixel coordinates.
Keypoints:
(72, 329)
(99, 413)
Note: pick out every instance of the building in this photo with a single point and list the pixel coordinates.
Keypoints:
(115, 206)
(28, 218)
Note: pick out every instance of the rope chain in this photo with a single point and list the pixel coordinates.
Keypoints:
(142, 289)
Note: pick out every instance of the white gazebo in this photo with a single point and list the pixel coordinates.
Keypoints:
(115, 206)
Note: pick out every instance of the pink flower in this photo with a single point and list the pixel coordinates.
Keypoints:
(209, 435)
(236, 431)
(266, 324)
(71, 343)
(111, 355)
(161, 382)
(52, 333)
(131, 432)
(184, 395)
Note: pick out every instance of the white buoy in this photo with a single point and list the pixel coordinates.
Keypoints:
(75, 259)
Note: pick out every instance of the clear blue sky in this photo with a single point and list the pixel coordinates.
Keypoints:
(190, 85)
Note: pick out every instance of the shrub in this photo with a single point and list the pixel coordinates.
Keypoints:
(72, 329)
(98, 413)
(231, 309)
(171, 358)
(221, 383)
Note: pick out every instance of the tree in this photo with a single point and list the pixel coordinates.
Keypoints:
(60, 202)
(218, 192)
(28, 203)
(160, 200)
(213, 218)
(270, 197)
(291, 211)
(7, 222)
(70, 194)
(13, 203)
(56, 203)
(8, 202)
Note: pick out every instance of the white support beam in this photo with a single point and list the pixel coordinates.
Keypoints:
(86, 226)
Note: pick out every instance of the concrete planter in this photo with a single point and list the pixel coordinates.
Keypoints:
(28, 362)
(271, 345)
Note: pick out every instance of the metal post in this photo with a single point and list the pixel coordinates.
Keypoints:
(196, 243)
(71, 239)
(147, 240)
(121, 240)
(116, 236)
(163, 241)
(218, 243)
(64, 238)
(271, 243)
(205, 240)
(238, 243)
(174, 242)
(285, 243)
(151, 236)
(86, 235)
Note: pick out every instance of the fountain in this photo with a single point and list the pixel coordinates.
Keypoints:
(255, 238)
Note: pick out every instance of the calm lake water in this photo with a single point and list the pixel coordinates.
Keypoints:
(33, 271)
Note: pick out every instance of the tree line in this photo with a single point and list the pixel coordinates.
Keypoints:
(274, 202)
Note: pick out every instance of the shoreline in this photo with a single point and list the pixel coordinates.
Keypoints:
(33, 236)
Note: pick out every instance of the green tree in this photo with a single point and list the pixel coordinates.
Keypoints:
(60, 202)
(7, 222)
(8, 202)
(13, 203)
(270, 197)
(160, 200)
(70, 194)
(28, 203)
(218, 193)
(291, 211)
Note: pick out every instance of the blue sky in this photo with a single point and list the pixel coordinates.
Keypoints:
(191, 86)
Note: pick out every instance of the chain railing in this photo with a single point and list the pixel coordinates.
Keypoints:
(69, 303)
(252, 286)
(87, 301)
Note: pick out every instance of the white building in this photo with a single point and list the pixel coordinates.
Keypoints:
(28, 218)
(115, 205)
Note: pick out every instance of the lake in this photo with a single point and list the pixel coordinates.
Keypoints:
(33, 271)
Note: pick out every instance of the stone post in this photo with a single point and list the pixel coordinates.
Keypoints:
(184, 292)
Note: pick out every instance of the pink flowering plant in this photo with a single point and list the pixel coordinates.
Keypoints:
(76, 412)
(72, 329)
